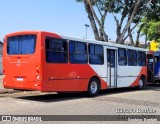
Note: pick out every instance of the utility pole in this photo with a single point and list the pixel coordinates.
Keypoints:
(87, 26)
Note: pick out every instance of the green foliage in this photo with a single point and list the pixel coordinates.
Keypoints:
(152, 30)
(151, 22)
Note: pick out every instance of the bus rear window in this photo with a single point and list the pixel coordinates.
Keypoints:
(22, 44)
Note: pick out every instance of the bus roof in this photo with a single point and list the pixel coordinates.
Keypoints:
(103, 43)
(77, 39)
(22, 33)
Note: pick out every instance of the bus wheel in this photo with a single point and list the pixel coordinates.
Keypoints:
(93, 87)
(141, 83)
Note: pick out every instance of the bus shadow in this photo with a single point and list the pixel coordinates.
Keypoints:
(154, 87)
(53, 97)
(118, 91)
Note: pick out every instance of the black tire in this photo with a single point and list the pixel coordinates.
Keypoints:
(93, 87)
(141, 83)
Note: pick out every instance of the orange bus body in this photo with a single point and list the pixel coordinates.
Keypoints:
(53, 77)
(32, 72)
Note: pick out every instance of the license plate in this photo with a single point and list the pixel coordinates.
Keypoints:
(19, 79)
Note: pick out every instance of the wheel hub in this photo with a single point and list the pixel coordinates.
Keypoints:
(93, 87)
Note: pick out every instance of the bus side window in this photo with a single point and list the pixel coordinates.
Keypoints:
(141, 58)
(132, 58)
(96, 55)
(78, 52)
(122, 57)
(56, 50)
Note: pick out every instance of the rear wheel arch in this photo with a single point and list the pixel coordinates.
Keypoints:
(97, 79)
(94, 85)
(142, 81)
(144, 78)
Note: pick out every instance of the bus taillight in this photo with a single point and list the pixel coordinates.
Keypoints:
(38, 71)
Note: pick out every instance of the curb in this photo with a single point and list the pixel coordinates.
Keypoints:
(5, 91)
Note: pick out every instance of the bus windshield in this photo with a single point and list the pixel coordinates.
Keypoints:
(22, 44)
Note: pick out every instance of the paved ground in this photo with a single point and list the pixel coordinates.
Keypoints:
(109, 102)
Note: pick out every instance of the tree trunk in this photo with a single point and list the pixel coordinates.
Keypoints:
(130, 36)
(138, 34)
(120, 38)
(102, 35)
(92, 21)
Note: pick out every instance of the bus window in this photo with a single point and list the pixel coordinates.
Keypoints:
(132, 58)
(96, 54)
(78, 52)
(122, 57)
(141, 58)
(22, 44)
(56, 50)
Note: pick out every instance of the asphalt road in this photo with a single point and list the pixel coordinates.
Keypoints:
(109, 102)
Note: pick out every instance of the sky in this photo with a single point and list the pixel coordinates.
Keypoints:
(65, 17)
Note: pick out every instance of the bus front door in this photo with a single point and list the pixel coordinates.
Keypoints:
(150, 68)
(111, 67)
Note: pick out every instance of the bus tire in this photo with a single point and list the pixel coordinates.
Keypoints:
(93, 87)
(141, 83)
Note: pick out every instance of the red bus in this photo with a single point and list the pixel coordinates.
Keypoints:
(44, 61)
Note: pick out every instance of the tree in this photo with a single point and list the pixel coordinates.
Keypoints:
(96, 23)
(130, 10)
(149, 24)
(153, 30)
